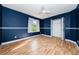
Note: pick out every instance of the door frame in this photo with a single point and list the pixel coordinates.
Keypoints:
(63, 32)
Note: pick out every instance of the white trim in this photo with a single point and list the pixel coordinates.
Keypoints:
(72, 28)
(51, 27)
(46, 35)
(72, 42)
(65, 39)
(13, 27)
(30, 22)
(4, 43)
(35, 36)
(62, 27)
(63, 32)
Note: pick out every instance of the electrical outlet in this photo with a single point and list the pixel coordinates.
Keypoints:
(15, 36)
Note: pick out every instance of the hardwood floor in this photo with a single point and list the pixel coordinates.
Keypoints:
(40, 45)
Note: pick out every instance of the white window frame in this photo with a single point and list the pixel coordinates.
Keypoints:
(30, 22)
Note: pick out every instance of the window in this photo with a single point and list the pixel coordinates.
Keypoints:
(33, 25)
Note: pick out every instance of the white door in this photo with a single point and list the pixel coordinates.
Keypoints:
(57, 28)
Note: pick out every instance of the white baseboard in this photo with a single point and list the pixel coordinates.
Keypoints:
(72, 42)
(46, 35)
(4, 43)
(65, 39)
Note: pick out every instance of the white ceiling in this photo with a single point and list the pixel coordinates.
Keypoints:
(35, 9)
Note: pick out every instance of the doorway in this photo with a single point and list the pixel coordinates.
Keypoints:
(57, 28)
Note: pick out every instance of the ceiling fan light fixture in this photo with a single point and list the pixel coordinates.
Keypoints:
(45, 11)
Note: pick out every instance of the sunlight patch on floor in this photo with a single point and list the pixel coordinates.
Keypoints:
(21, 45)
(34, 45)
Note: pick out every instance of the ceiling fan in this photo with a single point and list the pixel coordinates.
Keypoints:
(44, 11)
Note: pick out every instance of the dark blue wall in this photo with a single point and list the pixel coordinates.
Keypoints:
(78, 23)
(45, 26)
(0, 23)
(69, 21)
(12, 18)
(73, 20)
(47, 23)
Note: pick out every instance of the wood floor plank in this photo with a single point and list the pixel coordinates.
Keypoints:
(40, 45)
